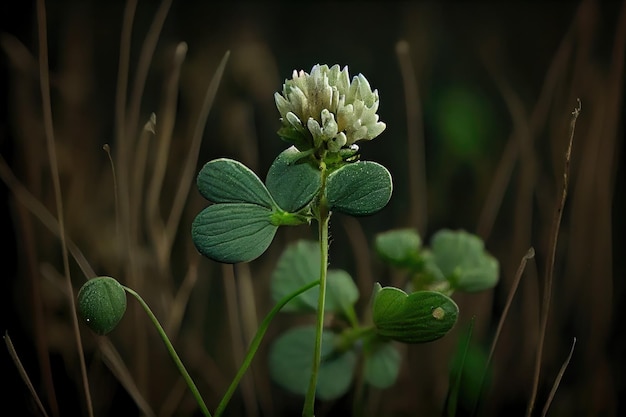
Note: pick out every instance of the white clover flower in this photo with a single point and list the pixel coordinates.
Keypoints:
(323, 110)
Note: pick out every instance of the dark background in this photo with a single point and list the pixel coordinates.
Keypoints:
(488, 74)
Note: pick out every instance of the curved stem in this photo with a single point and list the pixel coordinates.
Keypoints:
(172, 351)
(254, 345)
(323, 220)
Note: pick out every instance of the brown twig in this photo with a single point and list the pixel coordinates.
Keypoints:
(418, 207)
(122, 145)
(23, 374)
(547, 295)
(46, 218)
(167, 118)
(518, 276)
(536, 121)
(558, 380)
(116, 364)
(51, 146)
(236, 334)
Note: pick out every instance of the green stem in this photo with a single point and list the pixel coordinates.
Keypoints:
(323, 220)
(350, 315)
(350, 336)
(173, 354)
(254, 345)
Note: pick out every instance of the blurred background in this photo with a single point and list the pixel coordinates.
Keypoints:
(478, 99)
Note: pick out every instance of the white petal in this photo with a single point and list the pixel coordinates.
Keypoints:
(365, 91)
(294, 120)
(282, 105)
(316, 131)
(329, 126)
(375, 130)
(314, 127)
(337, 142)
(343, 81)
(298, 101)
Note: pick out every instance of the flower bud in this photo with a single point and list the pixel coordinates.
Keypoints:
(101, 304)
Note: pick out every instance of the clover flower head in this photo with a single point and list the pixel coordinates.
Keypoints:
(324, 110)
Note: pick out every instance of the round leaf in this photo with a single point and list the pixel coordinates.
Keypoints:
(101, 303)
(293, 180)
(360, 188)
(399, 247)
(430, 276)
(225, 180)
(462, 259)
(382, 366)
(232, 233)
(298, 265)
(420, 317)
(341, 292)
(290, 363)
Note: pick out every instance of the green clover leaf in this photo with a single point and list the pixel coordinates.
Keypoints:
(360, 188)
(419, 317)
(243, 220)
(293, 180)
(462, 259)
(382, 365)
(225, 180)
(291, 359)
(399, 247)
(232, 233)
(298, 265)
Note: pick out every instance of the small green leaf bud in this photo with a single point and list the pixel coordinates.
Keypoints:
(101, 304)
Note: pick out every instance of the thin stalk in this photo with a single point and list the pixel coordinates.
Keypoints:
(558, 380)
(417, 185)
(237, 342)
(24, 374)
(530, 254)
(323, 221)
(547, 294)
(173, 354)
(46, 102)
(255, 343)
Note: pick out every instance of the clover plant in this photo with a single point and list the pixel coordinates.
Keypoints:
(325, 116)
